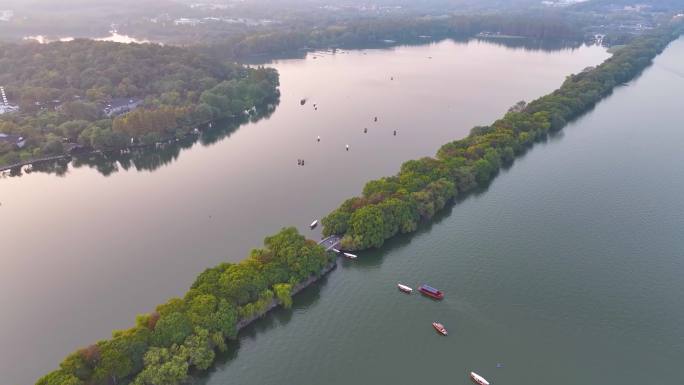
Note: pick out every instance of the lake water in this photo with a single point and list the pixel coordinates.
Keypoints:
(567, 270)
(83, 253)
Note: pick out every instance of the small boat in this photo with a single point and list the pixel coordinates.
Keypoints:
(404, 288)
(350, 255)
(478, 379)
(431, 291)
(440, 328)
(314, 224)
(302, 102)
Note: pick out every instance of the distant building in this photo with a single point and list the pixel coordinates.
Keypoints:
(186, 21)
(14, 140)
(118, 106)
(6, 14)
(5, 107)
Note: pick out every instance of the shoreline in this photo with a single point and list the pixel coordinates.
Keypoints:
(241, 324)
(32, 161)
(90, 151)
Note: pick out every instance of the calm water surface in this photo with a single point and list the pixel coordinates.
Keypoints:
(567, 270)
(82, 254)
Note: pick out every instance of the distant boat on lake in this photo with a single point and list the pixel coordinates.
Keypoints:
(478, 379)
(440, 328)
(404, 288)
(314, 224)
(431, 292)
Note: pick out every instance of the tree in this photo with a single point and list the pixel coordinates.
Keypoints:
(367, 227)
(283, 292)
(171, 329)
(114, 363)
(201, 311)
(163, 366)
(73, 128)
(53, 145)
(199, 350)
(59, 377)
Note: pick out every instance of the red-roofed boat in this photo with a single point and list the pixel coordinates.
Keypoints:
(431, 292)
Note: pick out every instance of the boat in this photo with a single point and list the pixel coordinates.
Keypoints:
(431, 292)
(404, 288)
(314, 223)
(350, 255)
(440, 328)
(478, 379)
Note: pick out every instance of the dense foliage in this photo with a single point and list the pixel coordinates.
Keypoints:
(185, 333)
(63, 88)
(396, 204)
(354, 33)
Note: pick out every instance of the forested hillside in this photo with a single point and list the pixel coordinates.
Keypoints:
(401, 29)
(63, 90)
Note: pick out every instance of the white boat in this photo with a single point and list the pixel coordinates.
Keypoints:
(440, 328)
(314, 224)
(349, 255)
(404, 288)
(478, 378)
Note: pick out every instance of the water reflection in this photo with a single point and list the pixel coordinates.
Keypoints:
(526, 44)
(148, 158)
(529, 44)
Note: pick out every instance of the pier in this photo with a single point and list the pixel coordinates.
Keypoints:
(330, 242)
(32, 161)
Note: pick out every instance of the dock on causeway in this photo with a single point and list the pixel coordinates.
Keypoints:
(331, 242)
